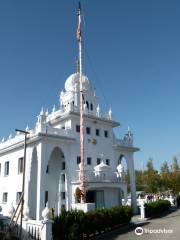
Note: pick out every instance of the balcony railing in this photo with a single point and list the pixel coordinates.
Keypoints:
(104, 176)
(60, 132)
(123, 142)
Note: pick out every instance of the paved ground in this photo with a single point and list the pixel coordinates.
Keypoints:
(169, 222)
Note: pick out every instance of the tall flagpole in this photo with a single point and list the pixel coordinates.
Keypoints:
(82, 164)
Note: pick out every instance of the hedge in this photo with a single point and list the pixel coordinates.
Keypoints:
(154, 208)
(79, 225)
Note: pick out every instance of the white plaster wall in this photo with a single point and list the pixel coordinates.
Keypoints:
(70, 149)
(111, 197)
(13, 182)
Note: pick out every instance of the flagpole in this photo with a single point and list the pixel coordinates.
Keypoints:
(82, 164)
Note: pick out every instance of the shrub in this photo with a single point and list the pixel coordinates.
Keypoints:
(77, 224)
(178, 200)
(154, 208)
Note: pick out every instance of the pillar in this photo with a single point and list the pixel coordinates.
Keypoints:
(40, 179)
(130, 164)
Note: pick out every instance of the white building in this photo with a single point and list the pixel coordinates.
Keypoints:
(52, 158)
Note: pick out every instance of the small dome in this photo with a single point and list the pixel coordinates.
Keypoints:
(102, 167)
(73, 79)
(120, 168)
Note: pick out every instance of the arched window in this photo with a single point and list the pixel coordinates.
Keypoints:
(120, 158)
(87, 104)
(91, 107)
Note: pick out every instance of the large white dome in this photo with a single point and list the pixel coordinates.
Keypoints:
(73, 79)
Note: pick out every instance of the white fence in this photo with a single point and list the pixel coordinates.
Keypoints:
(31, 229)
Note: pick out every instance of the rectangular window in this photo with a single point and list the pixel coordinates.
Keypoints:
(63, 165)
(20, 165)
(5, 197)
(63, 178)
(63, 195)
(47, 169)
(97, 132)
(88, 161)
(106, 133)
(77, 128)
(46, 197)
(6, 169)
(98, 161)
(18, 196)
(88, 130)
(78, 159)
(107, 161)
(91, 107)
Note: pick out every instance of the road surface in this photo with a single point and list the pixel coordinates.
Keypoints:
(162, 228)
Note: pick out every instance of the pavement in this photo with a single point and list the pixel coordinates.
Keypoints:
(160, 228)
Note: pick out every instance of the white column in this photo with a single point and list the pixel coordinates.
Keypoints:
(46, 233)
(130, 164)
(27, 178)
(40, 179)
(142, 209)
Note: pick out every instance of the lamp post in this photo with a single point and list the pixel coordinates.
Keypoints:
(24, 171)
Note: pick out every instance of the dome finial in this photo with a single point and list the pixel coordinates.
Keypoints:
(110, 113)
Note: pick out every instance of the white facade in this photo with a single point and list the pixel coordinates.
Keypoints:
(52, 159)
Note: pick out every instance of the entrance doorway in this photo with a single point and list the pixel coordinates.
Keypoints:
(96, 197)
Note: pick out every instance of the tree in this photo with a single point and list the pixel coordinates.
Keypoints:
(165, 167)
(165, 177)
(149, 166)
(151, 178)
(175, 165)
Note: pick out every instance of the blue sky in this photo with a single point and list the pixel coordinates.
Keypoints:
(131, 55)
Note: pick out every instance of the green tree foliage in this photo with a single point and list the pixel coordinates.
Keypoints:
(151, 178)
(165, 168)
(175, 165)
(152, 181)
(149, 166)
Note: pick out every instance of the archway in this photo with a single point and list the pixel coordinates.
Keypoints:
(32, 190)
(55, 188)
(123, 162)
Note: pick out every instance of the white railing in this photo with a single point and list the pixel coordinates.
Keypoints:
(33, 229)
(59, 132)
(123, 142)
(12, 141)
(104, 176)
(48, 130)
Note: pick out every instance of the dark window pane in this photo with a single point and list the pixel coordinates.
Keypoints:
(6, 170)
(106, 133)
(62, 195)
(98, 161)
(107, 161)
(88, 130)
(91, 107)
(77, 128)
(88, 161)
(63, 165)
(97, 132)
(78, 159)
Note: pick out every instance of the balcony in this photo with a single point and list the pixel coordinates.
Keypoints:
(99, 177)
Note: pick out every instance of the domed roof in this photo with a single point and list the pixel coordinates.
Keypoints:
(120, 168)
(102, 167)
(73, 79)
